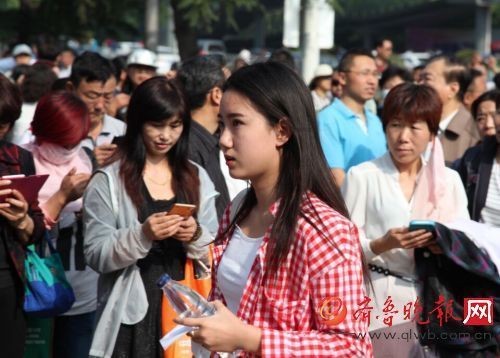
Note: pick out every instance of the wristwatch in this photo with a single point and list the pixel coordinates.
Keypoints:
(197, 233)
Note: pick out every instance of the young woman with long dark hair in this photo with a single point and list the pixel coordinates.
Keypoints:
(288, 269)
(129, 237)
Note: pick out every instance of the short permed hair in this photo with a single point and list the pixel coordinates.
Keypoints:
(411, 103)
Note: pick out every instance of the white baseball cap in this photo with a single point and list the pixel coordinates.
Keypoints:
(143, 57)
(323, 70)
(245, 55)
(22, 49)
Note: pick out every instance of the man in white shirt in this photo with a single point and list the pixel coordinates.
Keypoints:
(457, 131)
(93, 80)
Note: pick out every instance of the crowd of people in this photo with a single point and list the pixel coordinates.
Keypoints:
(303, 193)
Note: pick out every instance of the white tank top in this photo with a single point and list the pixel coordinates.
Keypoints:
(235, 266)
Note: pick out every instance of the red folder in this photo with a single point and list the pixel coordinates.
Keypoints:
(28, 186)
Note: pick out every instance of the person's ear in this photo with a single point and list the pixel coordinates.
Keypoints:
(70, 87)
(467, 99)
(216, 95)
(283, 132)
(343, 78)
(454, 88)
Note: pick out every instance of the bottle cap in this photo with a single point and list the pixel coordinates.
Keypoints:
(163, 280)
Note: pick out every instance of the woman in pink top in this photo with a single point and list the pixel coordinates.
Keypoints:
(60, 123)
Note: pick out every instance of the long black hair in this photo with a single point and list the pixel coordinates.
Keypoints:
(279, 93)
(156, 100)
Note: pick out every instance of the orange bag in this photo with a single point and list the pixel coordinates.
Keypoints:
(182, 347)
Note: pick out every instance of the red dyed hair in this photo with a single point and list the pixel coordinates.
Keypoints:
(412, 103)
(61, 118)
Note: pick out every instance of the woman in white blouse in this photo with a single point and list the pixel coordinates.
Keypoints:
(383, 195)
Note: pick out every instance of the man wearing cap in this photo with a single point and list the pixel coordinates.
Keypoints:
(243, 59)
(321, 86)
(349, 133)
(23, 55)
(141, 66)
(93, 80)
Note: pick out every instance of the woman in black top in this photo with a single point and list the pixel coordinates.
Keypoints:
(20, 225)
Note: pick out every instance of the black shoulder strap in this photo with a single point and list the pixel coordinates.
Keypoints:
(90, 153)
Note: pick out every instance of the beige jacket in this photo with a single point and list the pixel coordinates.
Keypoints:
(460, 135)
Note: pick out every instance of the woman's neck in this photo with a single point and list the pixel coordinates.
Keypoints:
(265, 193)
(408, 169)
(156, 163)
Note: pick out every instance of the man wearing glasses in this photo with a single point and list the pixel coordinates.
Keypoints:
(93, 80)
(350, 134)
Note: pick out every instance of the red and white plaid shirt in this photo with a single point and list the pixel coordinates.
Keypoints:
(288, 310)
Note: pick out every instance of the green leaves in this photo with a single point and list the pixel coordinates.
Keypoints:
(201, 14)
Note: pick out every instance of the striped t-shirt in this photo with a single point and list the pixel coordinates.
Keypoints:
(491, 211)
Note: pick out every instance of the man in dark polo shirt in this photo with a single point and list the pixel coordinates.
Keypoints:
(202, 79)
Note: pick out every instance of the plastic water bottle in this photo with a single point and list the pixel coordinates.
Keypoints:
(184, 300)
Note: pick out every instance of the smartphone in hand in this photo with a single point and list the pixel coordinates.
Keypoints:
(184, 210)
(427, 225)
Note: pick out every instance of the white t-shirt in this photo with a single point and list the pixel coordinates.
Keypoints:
(491, 211)
(235, 267)
(111, 127)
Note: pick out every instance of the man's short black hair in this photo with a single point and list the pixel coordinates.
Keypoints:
(394, 71)
(282, 55)
(91, 67)
(346, 60)
(380, 41)
(37, 82)
(197, 77)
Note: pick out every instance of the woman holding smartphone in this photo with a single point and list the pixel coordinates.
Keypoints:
(129, 237)
(21, 224)
(286, 251)
(384, 194)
